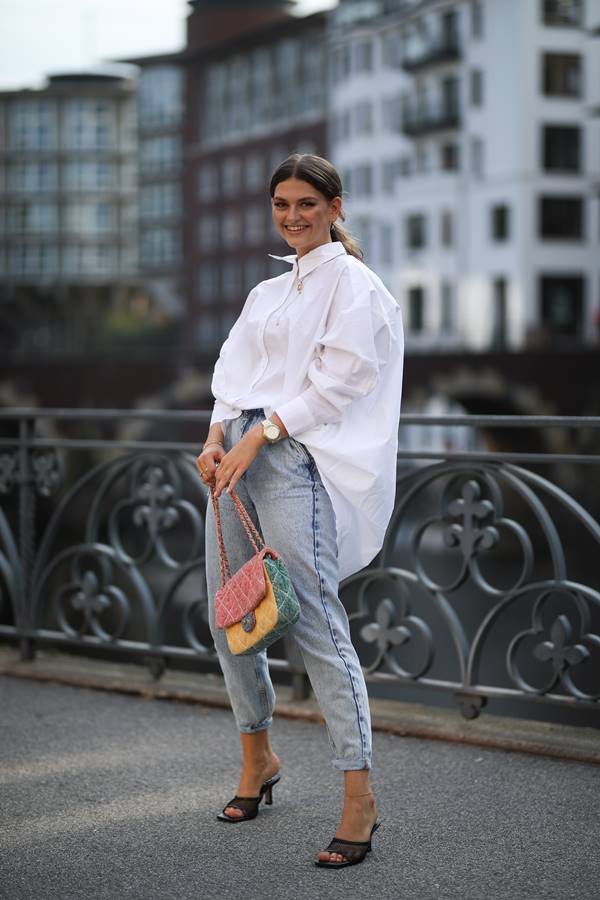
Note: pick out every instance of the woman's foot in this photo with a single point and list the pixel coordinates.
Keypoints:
(358, 817)
(253, 776)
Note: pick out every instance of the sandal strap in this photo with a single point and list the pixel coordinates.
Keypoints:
(349, 849)
(245, 804)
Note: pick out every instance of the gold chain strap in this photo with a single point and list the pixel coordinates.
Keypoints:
(249, 527)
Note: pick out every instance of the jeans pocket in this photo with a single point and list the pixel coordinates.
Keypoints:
(301, 451)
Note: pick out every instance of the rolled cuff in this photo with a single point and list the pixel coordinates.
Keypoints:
(222, 411)
(296, 415)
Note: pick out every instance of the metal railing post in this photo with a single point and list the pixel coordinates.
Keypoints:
(26, 534)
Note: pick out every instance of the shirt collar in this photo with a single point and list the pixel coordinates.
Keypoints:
(313, 259)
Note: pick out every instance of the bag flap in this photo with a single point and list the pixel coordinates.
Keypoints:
(243, 592)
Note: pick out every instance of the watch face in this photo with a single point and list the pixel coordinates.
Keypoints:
(271, 432)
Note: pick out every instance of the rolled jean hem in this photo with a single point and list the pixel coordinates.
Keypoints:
(252, 729)
(351, 765)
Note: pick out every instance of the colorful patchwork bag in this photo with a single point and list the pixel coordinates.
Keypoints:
(257, 605)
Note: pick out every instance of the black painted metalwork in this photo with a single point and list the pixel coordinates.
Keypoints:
(484, 587)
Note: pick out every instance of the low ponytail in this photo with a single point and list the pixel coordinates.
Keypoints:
(351, 245)
(324, 177)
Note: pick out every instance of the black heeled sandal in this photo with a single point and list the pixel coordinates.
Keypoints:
(249, 805)
(354, 851)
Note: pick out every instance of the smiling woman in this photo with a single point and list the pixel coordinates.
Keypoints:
(305, 426)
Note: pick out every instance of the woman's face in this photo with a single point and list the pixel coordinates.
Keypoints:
(303, 215)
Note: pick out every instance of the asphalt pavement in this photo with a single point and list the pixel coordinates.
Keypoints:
(110, 797)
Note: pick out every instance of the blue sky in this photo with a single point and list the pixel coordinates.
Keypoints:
(42, 36)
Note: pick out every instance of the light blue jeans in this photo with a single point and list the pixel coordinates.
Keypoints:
(284, 494)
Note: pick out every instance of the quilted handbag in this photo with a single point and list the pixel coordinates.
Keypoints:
(257, 605)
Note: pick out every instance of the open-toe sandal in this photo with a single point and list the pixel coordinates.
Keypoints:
(353, 851)
(249, 805)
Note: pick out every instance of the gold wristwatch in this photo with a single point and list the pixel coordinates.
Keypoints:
(271, 431)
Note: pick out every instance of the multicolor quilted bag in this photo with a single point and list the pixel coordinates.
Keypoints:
(257, 605)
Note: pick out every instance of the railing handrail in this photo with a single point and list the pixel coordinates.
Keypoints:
(184, 415)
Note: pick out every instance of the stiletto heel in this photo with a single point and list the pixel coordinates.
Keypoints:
(249, 805)
(354, 851)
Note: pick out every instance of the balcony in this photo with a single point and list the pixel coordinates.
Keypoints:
(444, 50)
(418, 121)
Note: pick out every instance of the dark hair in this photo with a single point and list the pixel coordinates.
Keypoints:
(324, 177)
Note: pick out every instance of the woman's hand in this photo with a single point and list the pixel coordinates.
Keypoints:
(209, 460)
(232, 465)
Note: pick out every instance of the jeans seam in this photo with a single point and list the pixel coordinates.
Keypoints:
(321, 595)
(261, 688)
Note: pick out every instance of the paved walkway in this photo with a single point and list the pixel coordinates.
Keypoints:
(113, 797)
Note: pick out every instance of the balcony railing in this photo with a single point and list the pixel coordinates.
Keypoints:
(444, 50)
(486, 586)
(426, 120)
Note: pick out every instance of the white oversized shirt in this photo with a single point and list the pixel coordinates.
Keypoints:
(327, 358)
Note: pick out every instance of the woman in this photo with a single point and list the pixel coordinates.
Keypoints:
(307, 398)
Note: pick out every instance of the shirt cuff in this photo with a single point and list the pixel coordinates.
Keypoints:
(296, 415)
(222, 411)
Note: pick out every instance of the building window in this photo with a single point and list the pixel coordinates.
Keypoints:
(208, 185)
(391, 113)
(500, 313)
(562, 12)
(449, 157)
(159, 200)
(254, 169)
(561, 304)
(363, 229)
(422, 159)
(386, 238)
(159, 154)
(446, 228)
(406, 166)
(447, 314)
(363, 117)
(476, 83)
(32, 125)
(231, 228)
(363, 56)
(254, 224)
(208, 232)
(160, 97)
(208, 283)
(34, 260)
(363, 181)
(415, 232)
(231, 171)
(231, 280)
(391, 170)
(562, 75)
(209, 331)
(391, 49)
(32, 218)
(477, 157)
(561, 218)
(500, 222)
(160, 247)
(416, 309)
(561, 148)
(254, 272)
(477, 23)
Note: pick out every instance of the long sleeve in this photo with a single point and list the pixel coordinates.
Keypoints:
(348, 360)
(223, 409)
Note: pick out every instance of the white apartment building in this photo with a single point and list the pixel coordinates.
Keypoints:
(467, 133)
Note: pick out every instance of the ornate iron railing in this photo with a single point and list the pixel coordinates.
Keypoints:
(487, 585)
